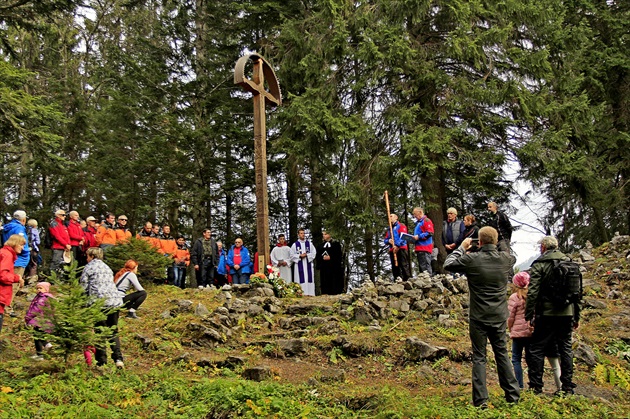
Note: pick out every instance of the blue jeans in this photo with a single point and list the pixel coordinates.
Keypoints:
(424, 262)
(238, 277)
(518, 346)
(179, 276)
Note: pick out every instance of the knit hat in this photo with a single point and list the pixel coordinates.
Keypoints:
(521, 279)
(45, 285)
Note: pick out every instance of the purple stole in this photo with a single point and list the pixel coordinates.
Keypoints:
(298, 247)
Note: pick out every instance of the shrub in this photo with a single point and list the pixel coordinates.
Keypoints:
(151, 264)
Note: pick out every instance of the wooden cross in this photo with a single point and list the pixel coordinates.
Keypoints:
(262, 72)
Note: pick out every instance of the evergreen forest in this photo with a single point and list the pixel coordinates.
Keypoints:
(130, 106)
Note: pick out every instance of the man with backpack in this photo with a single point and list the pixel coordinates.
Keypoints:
(552, 312)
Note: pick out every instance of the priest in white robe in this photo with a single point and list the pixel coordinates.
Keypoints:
(303, 253)
(281, 258)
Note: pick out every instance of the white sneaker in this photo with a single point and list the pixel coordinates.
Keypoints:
(200, 287)
(120, 364)
(37, 357)
(48, 346)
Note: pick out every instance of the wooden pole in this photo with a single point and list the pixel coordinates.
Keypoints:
(391, 228)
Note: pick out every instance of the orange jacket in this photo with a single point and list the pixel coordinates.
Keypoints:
(105, 234)
(183, 255)
(122, 236)
(168, 245)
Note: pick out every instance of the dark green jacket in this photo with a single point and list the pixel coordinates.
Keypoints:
(539, 273)
(487, 271)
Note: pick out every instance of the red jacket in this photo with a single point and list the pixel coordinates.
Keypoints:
(90, 238)
(59, 233)
(75, 232)
(7, 277)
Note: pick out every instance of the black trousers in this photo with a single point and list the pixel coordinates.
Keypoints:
(548, 329)
(480, 334)
(205, 274)
(114, 341)
(134, 300)
(403, 269)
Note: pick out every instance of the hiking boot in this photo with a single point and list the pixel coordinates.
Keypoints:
(132, 315)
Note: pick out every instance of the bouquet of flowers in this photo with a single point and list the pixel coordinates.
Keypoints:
(280, 287)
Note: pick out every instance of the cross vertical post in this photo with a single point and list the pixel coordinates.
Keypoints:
(262, 71)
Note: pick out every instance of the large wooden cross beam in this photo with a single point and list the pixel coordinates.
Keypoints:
(262, 72)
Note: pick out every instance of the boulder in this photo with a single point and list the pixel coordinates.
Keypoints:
(201, 310)
(307, 308)
(332, 375)
(585, 354)
(593, 303)
(292, 347)
(258, 373)
(363, 315)
(586, 256)
(391, 289)
(418, 350)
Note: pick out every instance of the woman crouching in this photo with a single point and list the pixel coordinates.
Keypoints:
(126, 278)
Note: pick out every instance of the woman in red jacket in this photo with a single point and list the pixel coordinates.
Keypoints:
(8, 255)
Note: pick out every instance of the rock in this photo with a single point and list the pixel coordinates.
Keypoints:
(166, 314)
(586, 256)
(418, 350)
(258, 373)
(254, 310)
(619, 241)
(185, 305)
(201, 310)
(307, 308)
(614, 295)
(420, 305)
(237, 305)
(146, 342)
(185, 357)
(231, 362)
(585, 354)
(362, 315)
(222, 311)
(596, 304)
(330, 328)
(461, 285)
(391, 289)
(332, 375)
(401, 306)
(353, 347)
(292, 347)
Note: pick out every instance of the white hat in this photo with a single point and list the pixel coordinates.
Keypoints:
(67, 256)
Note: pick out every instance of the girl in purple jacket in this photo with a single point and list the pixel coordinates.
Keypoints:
(34, 318)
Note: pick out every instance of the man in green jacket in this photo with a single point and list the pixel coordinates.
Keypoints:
(547, 321)
(488, 313)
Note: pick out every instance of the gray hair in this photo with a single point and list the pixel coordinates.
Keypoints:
(549, 242)
(71, 213)
(19, 215)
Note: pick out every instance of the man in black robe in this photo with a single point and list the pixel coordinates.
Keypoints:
(329, 262)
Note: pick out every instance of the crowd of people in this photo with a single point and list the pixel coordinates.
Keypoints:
(538, 326)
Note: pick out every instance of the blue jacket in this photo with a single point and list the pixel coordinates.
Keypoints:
(398, 230)
(245, 259)
(16, 227)
(221, 268)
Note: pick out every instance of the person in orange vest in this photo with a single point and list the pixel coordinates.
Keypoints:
(181, 262)
(168, 247)
(106, 233)
(123, 234)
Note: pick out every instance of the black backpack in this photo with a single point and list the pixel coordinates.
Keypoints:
(564, 287)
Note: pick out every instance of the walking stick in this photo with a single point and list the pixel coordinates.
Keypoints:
(391, 228)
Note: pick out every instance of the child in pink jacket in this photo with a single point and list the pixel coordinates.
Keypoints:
(520, 332)
(35, 317)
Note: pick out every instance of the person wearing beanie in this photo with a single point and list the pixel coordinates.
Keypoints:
(35, 318)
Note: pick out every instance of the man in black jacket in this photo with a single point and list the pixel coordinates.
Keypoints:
(486, 271)
(205, 257)
(548, 321)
